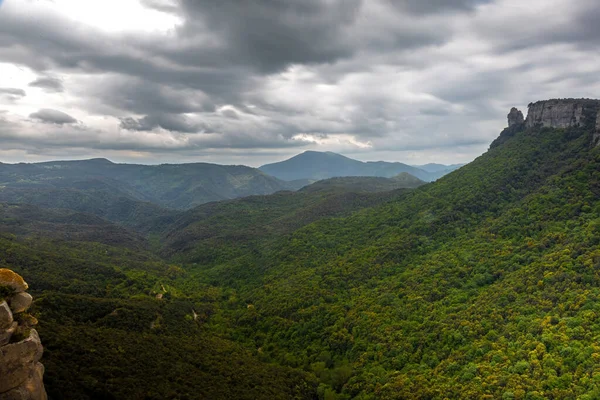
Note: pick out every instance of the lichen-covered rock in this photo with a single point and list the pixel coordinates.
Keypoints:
(6, 316)
(20, 302)
(515, 117)
(31, 389)
(18, 360)
(12, 280)
(5, 335)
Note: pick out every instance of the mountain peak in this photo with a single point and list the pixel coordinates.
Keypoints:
(316, 165)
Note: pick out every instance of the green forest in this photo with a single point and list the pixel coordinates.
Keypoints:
(481, 285)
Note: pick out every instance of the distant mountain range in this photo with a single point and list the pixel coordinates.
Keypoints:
(131, 193)
(316, 165)
(79, 185)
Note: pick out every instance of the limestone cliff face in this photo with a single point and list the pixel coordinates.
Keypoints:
(555, 113)
(21, 373)
(562, 113)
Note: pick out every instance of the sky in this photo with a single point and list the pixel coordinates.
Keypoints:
(257, 81)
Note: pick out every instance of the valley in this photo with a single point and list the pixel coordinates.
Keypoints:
(482, 284)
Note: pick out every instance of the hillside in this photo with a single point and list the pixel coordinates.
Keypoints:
(483, 284)
(323, 165)
(216, 232)
(362, 184)
(433, 167)
(176, 186)
(115, 326)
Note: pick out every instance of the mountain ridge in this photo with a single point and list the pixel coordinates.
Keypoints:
(175, 186)
(324, 165)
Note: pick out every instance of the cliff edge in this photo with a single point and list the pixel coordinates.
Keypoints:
(564, 113)
(555, 113)
(21, 373)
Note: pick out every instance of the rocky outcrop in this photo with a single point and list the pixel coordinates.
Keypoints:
(561, 113)
(515, 117)
(555, 113)
(21, 373)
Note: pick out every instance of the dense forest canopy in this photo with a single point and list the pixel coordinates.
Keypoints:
(483, 284)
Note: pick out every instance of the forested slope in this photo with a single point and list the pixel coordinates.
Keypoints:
(481, 284)
(114, 324)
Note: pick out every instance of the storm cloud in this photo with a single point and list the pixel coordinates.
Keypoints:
(228, 81)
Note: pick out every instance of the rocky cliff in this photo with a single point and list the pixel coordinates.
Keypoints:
(21, 372)
(561, 113)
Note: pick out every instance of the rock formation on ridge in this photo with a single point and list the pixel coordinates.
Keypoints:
(515, 117)
(563, 113)
(21, 373)
(557, 113)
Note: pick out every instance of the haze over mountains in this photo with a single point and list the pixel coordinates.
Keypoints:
(177, 186)
(322, 165)
(127, 192)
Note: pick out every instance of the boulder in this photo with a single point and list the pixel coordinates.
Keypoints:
(12, 280)
(6, 316)
(20, 302)
(18, 360)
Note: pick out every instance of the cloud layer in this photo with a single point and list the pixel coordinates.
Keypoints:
(218, 80)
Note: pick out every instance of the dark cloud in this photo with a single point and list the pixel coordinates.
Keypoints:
(521, 27)
(273, 34)
(49, 84)
(145, 97)
(337, 75)
(53, 117)
(170, 122)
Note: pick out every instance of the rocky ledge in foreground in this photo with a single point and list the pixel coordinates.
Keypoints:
(21, 372)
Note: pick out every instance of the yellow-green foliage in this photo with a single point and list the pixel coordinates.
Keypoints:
(484, 284)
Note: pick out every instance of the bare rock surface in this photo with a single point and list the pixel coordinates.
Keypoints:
(18, 359)
(6, 335)
(562, 113)
(21, 374)
(20, 302)
(515, 117)
(6, 316)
